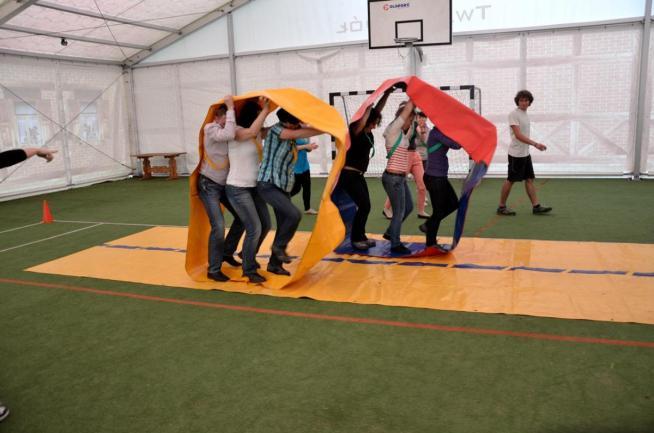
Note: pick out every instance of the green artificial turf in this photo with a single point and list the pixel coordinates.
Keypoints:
(82, 362)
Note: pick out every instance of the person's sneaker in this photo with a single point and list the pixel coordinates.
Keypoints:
(503, 210)
(423, 227)
(388, 213)
(386, 236)
(277, 270)
(371, 243)
(281, 255)
(4, 411)
(360, 245)
(400, 249)
(423, 216)
(255, 278)
(311, 212)
(541, 209)
(231, 261)
(218, 276)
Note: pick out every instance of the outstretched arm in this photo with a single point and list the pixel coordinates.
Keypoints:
(292, 134)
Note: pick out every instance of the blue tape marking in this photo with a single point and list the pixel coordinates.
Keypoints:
(474, 266)
(437, 265)
(592, 272)
(643, 274)
(527, 268)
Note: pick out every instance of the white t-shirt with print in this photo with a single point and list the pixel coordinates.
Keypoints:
(520, 119)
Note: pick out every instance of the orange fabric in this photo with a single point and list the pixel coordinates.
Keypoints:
(329, 230)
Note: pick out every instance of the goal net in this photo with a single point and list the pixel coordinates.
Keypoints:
(347, 103)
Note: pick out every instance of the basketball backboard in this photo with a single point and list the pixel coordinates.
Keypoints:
(393, 23)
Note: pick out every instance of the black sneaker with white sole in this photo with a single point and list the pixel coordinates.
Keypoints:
(539, 209)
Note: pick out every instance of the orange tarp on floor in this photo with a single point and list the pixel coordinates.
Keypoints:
(573, 280)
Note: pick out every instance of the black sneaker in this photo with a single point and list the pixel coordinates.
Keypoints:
(360, 245)
(541, 209)
(255, 278)
(218, 276)
(231, 261)
(400, 249)
(423, 228)
(503, 210)
(277, 270)
(371, 242)
(386, 236)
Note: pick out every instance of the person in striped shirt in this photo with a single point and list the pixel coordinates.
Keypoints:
(275, 182)
(397, 135)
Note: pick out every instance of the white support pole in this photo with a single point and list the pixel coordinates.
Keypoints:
(232, 59)
(642, 89)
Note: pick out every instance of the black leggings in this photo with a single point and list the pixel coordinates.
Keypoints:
(303, 181)
(443, 201)
(356, 187)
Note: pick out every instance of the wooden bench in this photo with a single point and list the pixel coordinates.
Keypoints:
(170, 170)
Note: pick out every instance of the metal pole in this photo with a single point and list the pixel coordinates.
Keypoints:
(642, 88)
(232, 60)
(412, 58)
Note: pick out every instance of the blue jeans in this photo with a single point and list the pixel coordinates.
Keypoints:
(253, 211)
(400, 197)
(212, 194)
(287, 216)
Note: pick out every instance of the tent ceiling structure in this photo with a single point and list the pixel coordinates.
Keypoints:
(108, 31)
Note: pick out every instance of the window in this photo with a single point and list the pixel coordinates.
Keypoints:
(29, 128)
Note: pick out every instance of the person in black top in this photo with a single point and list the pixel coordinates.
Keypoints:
(14, 156)
(352, 179)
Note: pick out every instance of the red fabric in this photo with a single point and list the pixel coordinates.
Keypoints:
(475, 134)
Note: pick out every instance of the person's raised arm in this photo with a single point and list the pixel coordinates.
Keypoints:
(382, 101)
(227, 132)
(254, 129)
(361, 123)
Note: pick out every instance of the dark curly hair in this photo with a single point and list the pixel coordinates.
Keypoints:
(286, 117)
(523, 94)
(247, 113)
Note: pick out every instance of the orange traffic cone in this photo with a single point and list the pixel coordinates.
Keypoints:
(47, 215)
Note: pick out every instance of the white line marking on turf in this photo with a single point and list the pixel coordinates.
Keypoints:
(117, 224)
(51, 237)
(23, 227)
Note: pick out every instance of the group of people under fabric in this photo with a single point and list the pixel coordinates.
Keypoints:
(245, 176)
(412, 149)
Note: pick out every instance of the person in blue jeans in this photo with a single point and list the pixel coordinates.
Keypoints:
(244, 157)
(303, 176)
(211, 190)
(275, 182)
(397, 137)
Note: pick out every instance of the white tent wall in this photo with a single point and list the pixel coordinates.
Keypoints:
(647, 160)
(77, 108)
(584, 81)
(171, 103)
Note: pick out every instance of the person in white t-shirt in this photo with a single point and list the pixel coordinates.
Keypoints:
(241, 187)
(520, 166)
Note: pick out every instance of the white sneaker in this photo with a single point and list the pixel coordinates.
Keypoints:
(311, 212)
(388, 213)
(4, 411)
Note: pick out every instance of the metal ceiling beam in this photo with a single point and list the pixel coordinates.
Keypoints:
(221, 11)
(11, 8)
(67, 9)
(72, 37)
(58, 57)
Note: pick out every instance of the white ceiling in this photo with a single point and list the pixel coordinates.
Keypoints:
(120, 31)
